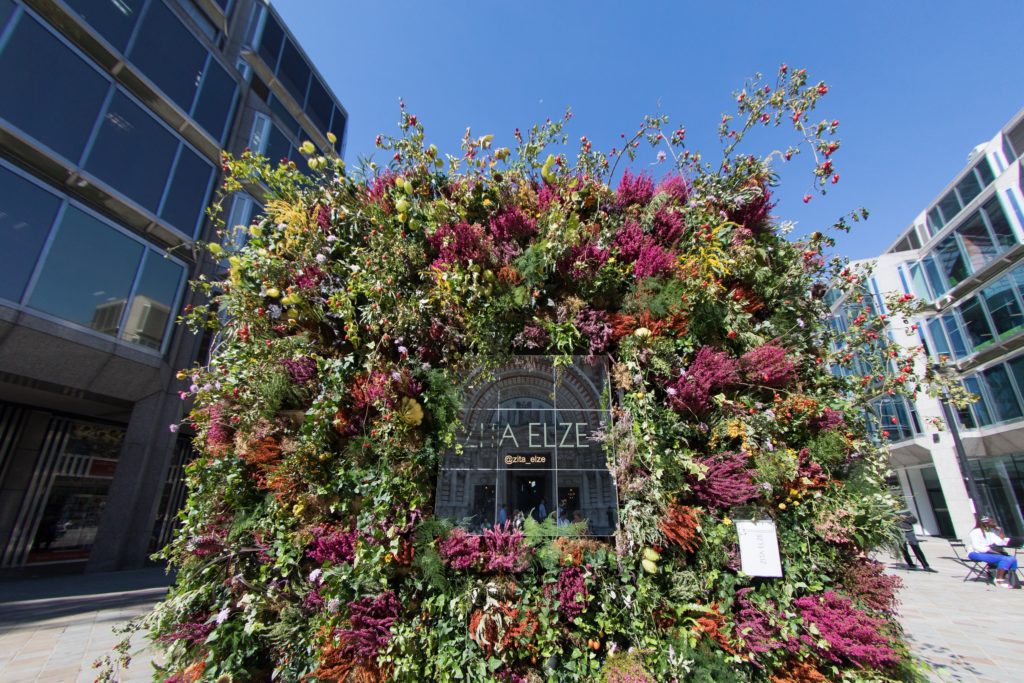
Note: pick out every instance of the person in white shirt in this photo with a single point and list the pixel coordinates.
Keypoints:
(987, 542)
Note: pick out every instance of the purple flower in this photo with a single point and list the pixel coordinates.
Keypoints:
(753, 626)
(829, 420)
(571, 592)
(727, 481)
(460, 550)
(593, 324)
(629, 240)
(768, 365)
(533, 336)
(460, 243)
(504, 550)
(634, 189)
(653, 261)
(508, 227)
(853, 636)
(173, 428)
(301, 370)
(668, 226)
(753, 214)
(334, 546)
(709, 371)
(370, 625)
(583, 261)
(676, 187)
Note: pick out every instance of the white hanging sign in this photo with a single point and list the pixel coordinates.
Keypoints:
(759, 548)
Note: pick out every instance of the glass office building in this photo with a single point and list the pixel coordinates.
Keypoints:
(963, 256)
(112, 120)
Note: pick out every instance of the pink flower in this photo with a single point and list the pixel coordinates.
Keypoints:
(853, 636)
(676, 187)
(460, 550)
(634, 189)
(768, 365)
(709, 371)
(653, 261)
(727, 481)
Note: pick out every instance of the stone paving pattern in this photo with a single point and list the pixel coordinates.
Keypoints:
(51, 630)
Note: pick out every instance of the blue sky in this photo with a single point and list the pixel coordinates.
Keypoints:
(915, 84)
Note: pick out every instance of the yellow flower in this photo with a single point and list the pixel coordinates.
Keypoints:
(332, 138)
(389, 558)
(411, 412)
(726, 520)
(298, 508)
(782, 506)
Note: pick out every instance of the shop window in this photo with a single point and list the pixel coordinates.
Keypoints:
(26, 214)
(188, 192)
(132, 152)
(114, 20)
(87, 273)
(153, 302)
(1005, 404)
(48, 91)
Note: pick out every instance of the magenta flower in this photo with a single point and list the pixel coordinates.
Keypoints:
(709, 371)
(460, 550)
(336, 546)
(653, 261)
(583, 261)
(593, 325)
(676, 187)
(629, 240)
(571, 592)
(768, 365)
(634, 189)
(370, 625)
(460, 243)
(853, 636)
(668, 226)
(727, 481)
(301, 370)
(504, 549)
(507, 228)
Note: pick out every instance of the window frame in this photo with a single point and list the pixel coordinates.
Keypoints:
(68, 201)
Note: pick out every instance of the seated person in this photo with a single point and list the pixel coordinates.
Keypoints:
(987, 545)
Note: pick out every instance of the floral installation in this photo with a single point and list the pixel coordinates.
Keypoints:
(362, 299)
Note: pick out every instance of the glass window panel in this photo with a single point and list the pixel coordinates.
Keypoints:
(1000, 224)
(270, 41)
(918, 283)
(26, 214)
(6, 11)
(112, 19)
(293, 72)
(153, 302)
(976, 324)
(1008, 150)
(187, 195)
(984, 170)
(88, 272)
(1004, 399)
(319, 106)
(940, 346)
(935, 221)
(215, 99)
(949, 206)
(982, 414)
(39, 78)
(132, 152)
(968, 188)
(1016, 137)
(951, 260)
(1016, 366)
(287, 120)
(169, 55)
(931, 271)
(955, 336)
(278, 146)
(1003, 307)
(977, 242)
(338, 128)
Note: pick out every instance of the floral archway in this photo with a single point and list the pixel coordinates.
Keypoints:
(362, 300)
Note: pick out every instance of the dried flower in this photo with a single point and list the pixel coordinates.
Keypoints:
(709, 371)
(634, 189)
(853, 636)
(769, 365)
(727, 481)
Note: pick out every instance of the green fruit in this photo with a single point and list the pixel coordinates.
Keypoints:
(273, 292)
(407, 186)
(402, 205)
(649, 567)
(651, 554)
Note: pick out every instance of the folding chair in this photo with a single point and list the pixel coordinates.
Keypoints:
(976, 569)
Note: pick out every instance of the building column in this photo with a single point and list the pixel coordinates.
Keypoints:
(17, 480)
(947, 467)
(123, 537)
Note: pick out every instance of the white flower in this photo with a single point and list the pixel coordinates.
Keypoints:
(314, 575)
(320, 258)
(223, 615)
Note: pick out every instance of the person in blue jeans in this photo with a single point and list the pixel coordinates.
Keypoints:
(988, 545)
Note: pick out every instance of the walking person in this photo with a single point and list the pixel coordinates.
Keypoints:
(905, 520)
(988, 546)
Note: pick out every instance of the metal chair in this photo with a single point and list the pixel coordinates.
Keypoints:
(976, 569)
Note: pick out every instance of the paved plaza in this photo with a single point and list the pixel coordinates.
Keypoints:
(53, 629)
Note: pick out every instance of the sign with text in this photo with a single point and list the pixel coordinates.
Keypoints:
(529, 448)
(759, 548)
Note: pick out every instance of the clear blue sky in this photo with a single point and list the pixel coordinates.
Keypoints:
(915, 83)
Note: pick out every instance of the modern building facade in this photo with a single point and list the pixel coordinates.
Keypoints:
(963, 256)
(112, 121)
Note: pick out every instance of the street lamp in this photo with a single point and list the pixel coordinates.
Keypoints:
(973, 494)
